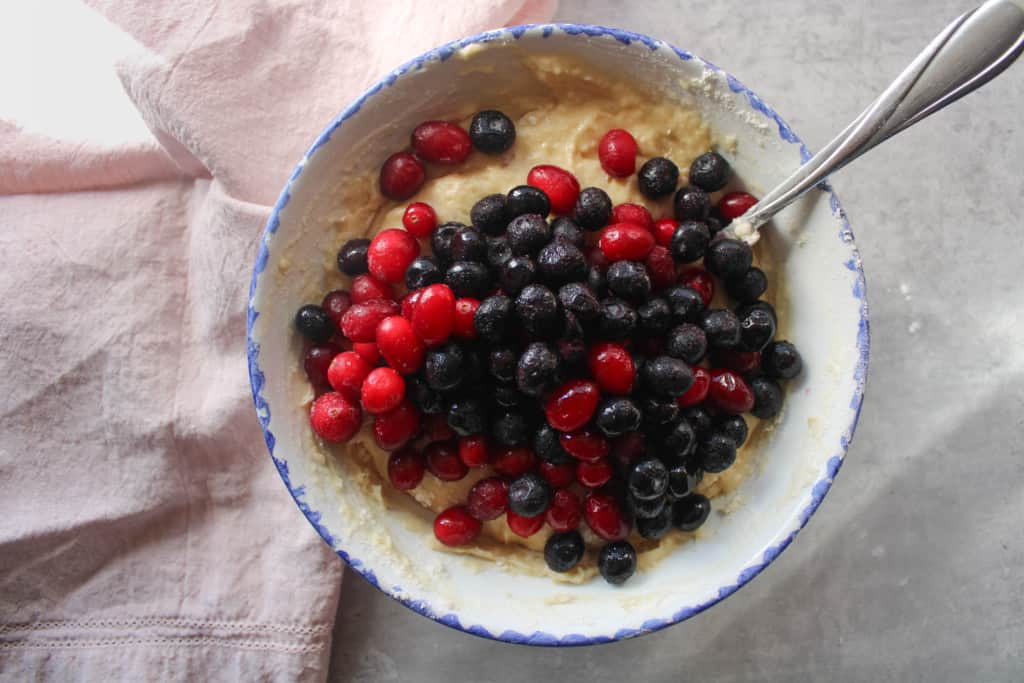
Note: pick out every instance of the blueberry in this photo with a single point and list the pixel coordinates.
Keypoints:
(687, 342)
(596, 281)
(685, 302)
(757, 328)
(709, 171)
(699, 419)
(747, 287)
(501, 363)
(728, 258)
(682, 480)
(507, 397)
(444, 367)
(655, 527)
(537, 370)
(666, 376)
(467, 416)
(518, 272)
(564, 550)
(574, 357)
(742, 311)
(468, 244)
(722, 328)
(646, 509)
(617, 562)
(690, 241)
(510, 429)
(468, 278)
(648, 479)
(423, 271)
(714, 222)
(690, 512)
(680, 440)
(629, 279)
(617, 415)
(577, 298)
(314, 323)
(658, 177)
(498, 253)
(733, 427)
(655, 317)
(717, 453)
(691, 204)
(561, 262)
(563, 228)
(490, 214)
(781, 360)
(767, 397)
(492, 132)
(593, 208)
(548, 446)
(529, 495)
(572, 329)
(658, 411)
(492, 317)
(527, 234)
(537, 309)
(352, 256)
(427, 400)
(617, 319)
(526, 199)
(441, 241)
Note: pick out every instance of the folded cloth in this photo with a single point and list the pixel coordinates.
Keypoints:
(144, 533)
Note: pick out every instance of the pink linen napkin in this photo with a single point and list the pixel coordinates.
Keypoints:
(144, 533)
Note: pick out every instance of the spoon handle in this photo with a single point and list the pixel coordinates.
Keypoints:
(975, 48)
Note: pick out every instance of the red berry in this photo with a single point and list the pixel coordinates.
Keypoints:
(419, 219)
(559, 185)
(440, 142)
(406, 467)
(523, 526)
(661, 267)
(399, 345)
(383, 389)
(488, 498)
(335, 418)
(473, 451)
(409, 302)
(626, 242)
(565, 511)
(612, 367)
(368, 350)
(585, 444)
(628, 448)
(359, 323)
(513, 462)
(594, 474)
(444, 463)
(455, 526)
(347, 372)
(367, 288)
(698, 391)
(560, 475)
(433, 316)
(632, 213)
(700, 280)
(604, 516)
(316, 362)
(465, 311)
(663, 230)
(729, 392)
(572, 404)
(743, 362)
(435, 428)
(390, 253)
(335, 304)
(401, 175)
(395, 428)
(735, 204)
(617, 152)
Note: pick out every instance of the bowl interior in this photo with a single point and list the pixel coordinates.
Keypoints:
(826, 317)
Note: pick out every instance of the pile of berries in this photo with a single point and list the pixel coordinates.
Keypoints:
(566, 344)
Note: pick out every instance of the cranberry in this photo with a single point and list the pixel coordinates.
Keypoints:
(560, 475)
(383, 389)
(628, 448)
(473, 451)
(395, 428)
(523, 526)
(399, 345)
(401, 175)
(335, 304)
(405, 468)
(604, 516)
(465, 311)
(661, 268)
(367, 288)
(594, 474)
(359, 323)
(632, 213)
(368, 350)
(612, 368)
(433, 317)
(663, 230)
(513, 462)
(626, 242)
(409, 302)
(436, 428)
(564, 512)
(699, 280)
(585, 444)
(419, 219)
(572, 404)
(735, 204)
(335, 418)
(743, 362)
(316, 362)
(390, 253)
(698, 391)
(455, 526)
(443, 461)
(559, 185)
(488, 498)
(729, 392)
(440, 142)
(617, 152)
(347, 372)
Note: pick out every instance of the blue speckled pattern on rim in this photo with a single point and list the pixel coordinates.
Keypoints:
(819, 489)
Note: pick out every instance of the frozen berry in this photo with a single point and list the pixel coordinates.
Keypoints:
(536, 309)
(426, 400)
(423, 271)
(658, 177)
(360, 322)
(399, 345)
(565, 511)
(488, 499)
(655, 317)
(499, 252)
(728, 258)
(468, 244)
(316, 362)
(408, 304)
(699, 419)
(492, 317)
(444, 463)
(680, 440)
(735, 204)
(441, 142)
(709, 172)
(419, 219)
(617, 153)
(527, 234)
(352, 256)
(699, 280)
(579, 300)
(368, 288)
(467, 416)
(517, 272)
(604, 516)
(560, 262)
(529, 495)
(510, 429)
(390, 253)
(368, 350)
(690, 512)
(722, 328)
(633, 213)
(334, 418)
(548, 446)
(690, 241)
(565, 229)
(393, 429)
(617, 562)
(593, 208)
(465, 313)
(781, 360)
(474, 451)
(571, 404)
(525, 199)
(656, 526)
(501, 363)
(434, 317)
(538, 369)
(729, 392)
(691, 204)
(524, 526)
(686, 303)
(468, 278)
(382, 390)
(626, 242)
(661, 267)
(558, 475)
(563, 551)
(658, 411)
(492, 132)
(687, 342)
(335, 304)
(559, 185)
(616, 416)
(612, 368)
(441, 241)
(733, 427)
(667, 376)
(347, 372)
(444, 368)
(618, 319)
(513, 461)
(767, 397)
(757, 327)
(455, 526)
(683, 478)
(401, 175)
(314, 323)
(490, 214)
(648, 479)
(646, 509)
(585, 444)
(664, 229)
(406, 467)
(594, 474)
(747, 287)
(629, 279)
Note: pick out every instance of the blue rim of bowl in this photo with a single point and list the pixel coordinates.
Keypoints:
(819, 489)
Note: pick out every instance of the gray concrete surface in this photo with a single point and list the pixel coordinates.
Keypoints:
(911, 570)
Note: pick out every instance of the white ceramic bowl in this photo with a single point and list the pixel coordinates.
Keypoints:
(827, 318)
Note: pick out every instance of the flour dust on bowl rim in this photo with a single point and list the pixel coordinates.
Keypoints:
(826, 315)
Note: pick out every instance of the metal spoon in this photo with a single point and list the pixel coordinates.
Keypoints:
(975, 48)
